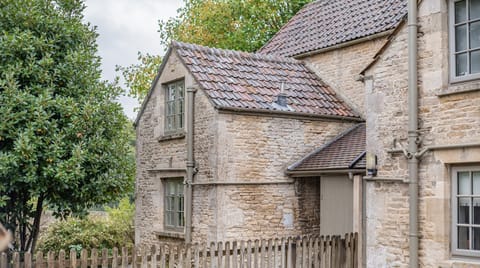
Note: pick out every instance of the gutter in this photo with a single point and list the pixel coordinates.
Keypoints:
(413, 136)
(255, 111)
(345, 44)
(317, 172)
(190, 165)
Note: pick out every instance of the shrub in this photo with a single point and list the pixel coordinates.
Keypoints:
(114, 230)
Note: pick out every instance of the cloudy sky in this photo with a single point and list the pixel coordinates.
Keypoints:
(126, 27)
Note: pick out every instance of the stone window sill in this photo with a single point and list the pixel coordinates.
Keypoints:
(170, 234)
(456, 88)
(172, 136)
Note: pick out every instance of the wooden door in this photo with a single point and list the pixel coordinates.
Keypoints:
(336, 205)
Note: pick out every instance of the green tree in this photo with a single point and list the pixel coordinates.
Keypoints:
(63, 141)
(244, 25)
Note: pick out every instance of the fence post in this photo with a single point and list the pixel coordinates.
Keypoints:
(16, 260)
(196, 255)
(38, 260)
(163, 257)
(124, 257)
(227, 254)
(219, 254)
(355, 248)
(235, 257)
(268, 251)
(188, 257)
(298, 252)
(73, 258)
(289, 252)
(104, 258)
(255, 253)
(171, 256)
(181, 251)
(84, 258)
(205, 256)
(316, 252)
(61, 259)
(115, 257)
(28, 259)
(262, 253)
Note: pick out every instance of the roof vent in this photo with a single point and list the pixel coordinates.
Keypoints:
(282, 97)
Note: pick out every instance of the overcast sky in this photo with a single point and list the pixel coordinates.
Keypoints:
(126, 27)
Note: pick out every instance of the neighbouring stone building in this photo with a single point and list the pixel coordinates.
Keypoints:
(281, 136)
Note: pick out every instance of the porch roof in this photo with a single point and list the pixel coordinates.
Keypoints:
(345, 152)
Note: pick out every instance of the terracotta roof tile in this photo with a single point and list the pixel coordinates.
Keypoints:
(325, 23)
(346, 151)
(235, 79)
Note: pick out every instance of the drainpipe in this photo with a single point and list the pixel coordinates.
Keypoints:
(190, 165)
(413, 132)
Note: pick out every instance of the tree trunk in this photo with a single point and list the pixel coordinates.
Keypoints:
(32, 242)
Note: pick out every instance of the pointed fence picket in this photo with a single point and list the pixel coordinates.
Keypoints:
(298, 252)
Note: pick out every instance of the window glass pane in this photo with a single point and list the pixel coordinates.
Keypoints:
(474, 9)
(463, 238)
(180, 90)
(475, 62)
(464, 183)
(179, 119)
(476, 211)
(461, 64)
(181, 219)
(171, 188)
(179, 188)
(464, 210)
(170, 108)
(180, 204)
(461, 38)
(476, 182)
(460, 11)
(475, 35)
(171, 93)
(476, 238)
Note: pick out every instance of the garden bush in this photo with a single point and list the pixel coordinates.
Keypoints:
(114, 230)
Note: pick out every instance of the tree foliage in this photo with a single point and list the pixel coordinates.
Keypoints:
(63, 141)
(138, 77)
(244, 25)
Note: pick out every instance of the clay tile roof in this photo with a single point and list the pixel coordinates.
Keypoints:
(326, 23)
(241, 80)
(346, 151)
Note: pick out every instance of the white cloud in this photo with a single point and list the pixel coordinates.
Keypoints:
(126, 27)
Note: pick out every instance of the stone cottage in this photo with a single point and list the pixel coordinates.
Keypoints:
(253, 116)
(275, 132)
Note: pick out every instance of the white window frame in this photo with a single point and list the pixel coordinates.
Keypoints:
(453, 72)
(177, 115)
(177, 198)
(454, 231)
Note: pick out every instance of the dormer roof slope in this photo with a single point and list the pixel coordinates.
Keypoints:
(252, 82)
(326, 23)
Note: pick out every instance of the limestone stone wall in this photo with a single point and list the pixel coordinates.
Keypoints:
(158, 156)
(253, 197)
(444, 119)
(340, 68)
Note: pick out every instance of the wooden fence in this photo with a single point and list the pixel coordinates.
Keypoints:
(308, 251)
